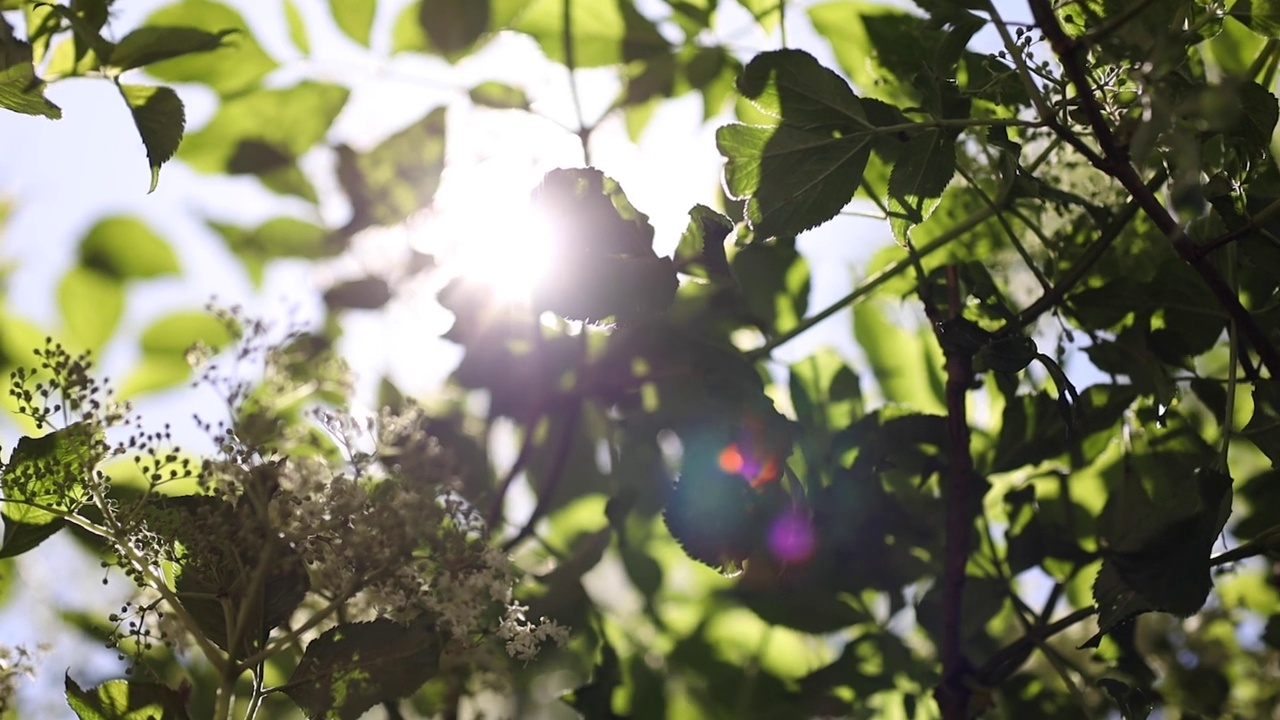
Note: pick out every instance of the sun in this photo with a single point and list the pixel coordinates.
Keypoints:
(488, 232)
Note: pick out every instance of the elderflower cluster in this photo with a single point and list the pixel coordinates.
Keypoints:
(525, 638)
(16, 663)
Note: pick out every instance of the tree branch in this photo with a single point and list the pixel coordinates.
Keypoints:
(1114, 161)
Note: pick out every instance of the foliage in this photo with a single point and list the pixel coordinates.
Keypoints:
(1012, 503)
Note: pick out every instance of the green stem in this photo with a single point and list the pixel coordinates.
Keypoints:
(1233, 360)
(880, 278)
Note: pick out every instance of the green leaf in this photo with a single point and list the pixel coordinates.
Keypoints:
(91, 303)
(126, 700)
(355, 17)
(397, 178)
(125, 248)
(603, 33)
(701, 249)
(774, 279)
(152, 43)
(354, 666)
(499, 95)
(48, 471)
(232, 68)
(281, 237)
(906, 364)
(164, 346)
(1156, 535)
(264, 132)
(63, 63)
(1260, 16)
(159, 116)
(793, 180)
(922, 171)
(1263, 429)
(297, 27)
(20, 90)
(793, 86)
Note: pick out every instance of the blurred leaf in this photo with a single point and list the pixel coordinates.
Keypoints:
(164, 346)
(235, 66)
(125, 248)
(1263, 429)
(368, 293)
(452, 26)
(499, 95)
(279, 125)
(282, 237)
(355, 17)
(906, 364)
(603, 33)
(774, 279)
(297, 27)
(398, 177)
(91, 303)
(354, 666)
(159, 116)
(126, 700)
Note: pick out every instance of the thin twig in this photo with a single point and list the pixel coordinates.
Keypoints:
(1114, 161)
(555, 472)
(571, 66)
(1255, 223)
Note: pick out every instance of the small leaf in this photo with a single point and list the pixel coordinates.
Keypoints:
(1134, 702)
(354, 666)
(158, 113)
(499, 95)
(603, 33)
(368, 293)
(355, 17)
(297, 27)
(1263, 429)
(164, 345)
(126, 700)
(453, 26)
(922, 171)
(125, 248)
(151, 43)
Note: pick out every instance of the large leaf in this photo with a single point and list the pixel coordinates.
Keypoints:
(355, 17)
(126, 700)
(125, 248)
(234, 66)
(354, 666)
(792, 179)
(159, 116)
(793, 86)
(398, 177)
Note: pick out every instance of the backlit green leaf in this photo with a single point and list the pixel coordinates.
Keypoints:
(159, 116)
(396, 178)
(125, 248)
(152, 43)
(603, 33)
(20, 90)
(906, 364)
(91, 303)
(499, 95)
(297, 27)
(792, 179)
(236, 65)
(126, 700)
(792, 85)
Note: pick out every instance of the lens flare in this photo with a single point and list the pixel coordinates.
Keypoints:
(791, 538)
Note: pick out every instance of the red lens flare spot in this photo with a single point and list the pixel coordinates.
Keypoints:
(731, 460)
